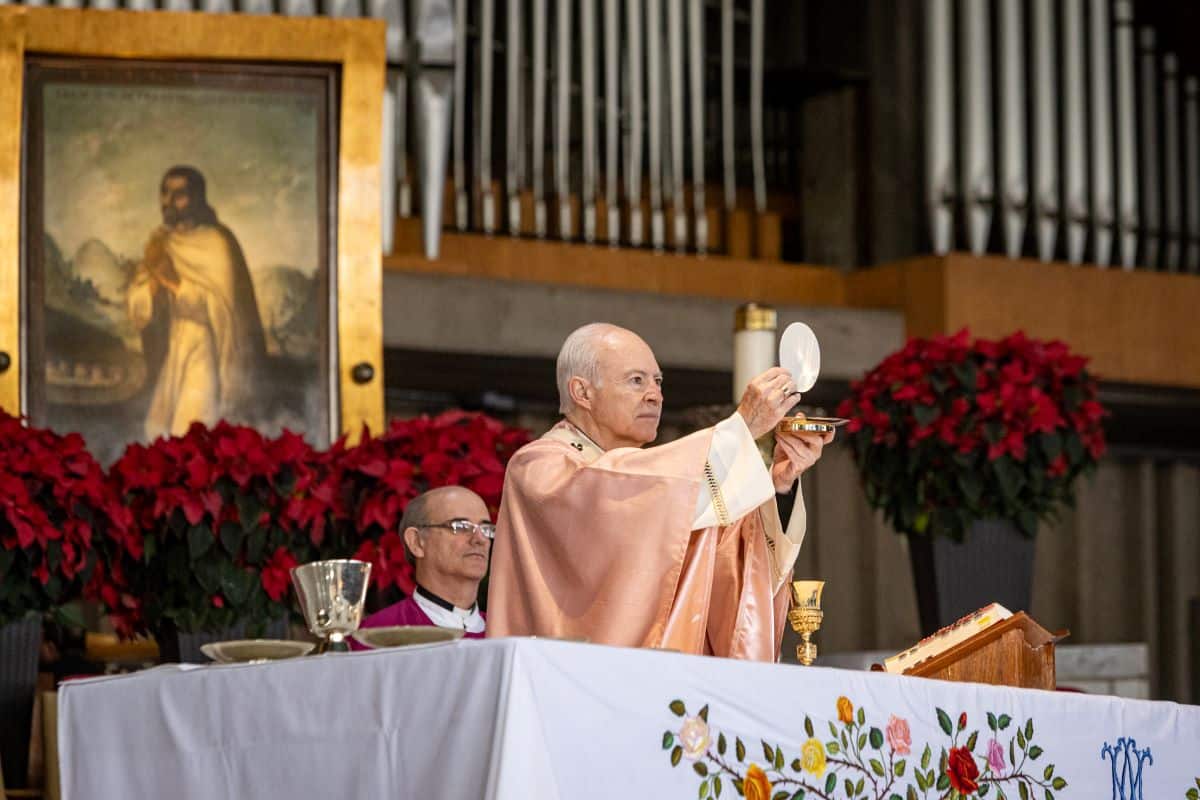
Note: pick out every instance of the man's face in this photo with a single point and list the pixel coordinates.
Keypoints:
(627, 402)
(175, 198)
(451, 554)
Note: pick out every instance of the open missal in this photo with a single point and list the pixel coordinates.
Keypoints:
(947, 637)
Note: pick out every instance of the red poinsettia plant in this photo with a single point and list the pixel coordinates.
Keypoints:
(948, 431)
(57, 513)
(381, 474)
(225, 513)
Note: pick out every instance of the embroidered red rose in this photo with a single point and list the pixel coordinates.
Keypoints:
(962, 771)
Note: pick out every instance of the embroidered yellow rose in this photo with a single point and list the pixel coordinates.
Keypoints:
(812, 757)
(756, 786)
(694, 737)
(845, 710)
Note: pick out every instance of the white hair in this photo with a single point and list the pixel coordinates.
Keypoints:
(580, 357)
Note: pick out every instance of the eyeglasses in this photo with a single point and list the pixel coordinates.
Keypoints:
(463, 527)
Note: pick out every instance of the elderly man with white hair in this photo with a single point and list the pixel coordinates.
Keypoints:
(677, 546)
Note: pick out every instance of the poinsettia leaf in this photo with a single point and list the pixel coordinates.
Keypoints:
(231, 538)
(199, 539)
(236, 583)
(256, 543)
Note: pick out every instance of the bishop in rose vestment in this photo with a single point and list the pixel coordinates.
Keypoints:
(677, 546)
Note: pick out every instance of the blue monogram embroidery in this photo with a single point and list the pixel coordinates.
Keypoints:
(1127, 763)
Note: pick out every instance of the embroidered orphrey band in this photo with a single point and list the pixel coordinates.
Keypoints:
(718, 499)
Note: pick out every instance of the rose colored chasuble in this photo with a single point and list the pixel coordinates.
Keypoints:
(677, 546)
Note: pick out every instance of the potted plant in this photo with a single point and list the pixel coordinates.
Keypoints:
(965, 446)
(224, 513)
(56, 510)
(379, 476)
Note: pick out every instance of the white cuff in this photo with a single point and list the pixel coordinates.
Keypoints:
(744, 479)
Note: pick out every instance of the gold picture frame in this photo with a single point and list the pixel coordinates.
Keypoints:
(353, 48)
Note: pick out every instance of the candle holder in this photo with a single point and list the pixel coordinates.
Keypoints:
(806, 617)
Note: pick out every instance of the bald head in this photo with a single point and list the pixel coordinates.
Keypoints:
(581, 355)
(610, 385)
(440, 505)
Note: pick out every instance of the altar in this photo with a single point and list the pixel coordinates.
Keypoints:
(530, 718)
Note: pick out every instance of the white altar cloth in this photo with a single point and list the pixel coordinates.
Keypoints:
(541, 719)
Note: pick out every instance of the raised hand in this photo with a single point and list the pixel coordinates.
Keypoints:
(767, 399)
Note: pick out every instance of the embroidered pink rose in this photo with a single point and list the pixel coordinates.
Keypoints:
(899, 738)
(995, 756)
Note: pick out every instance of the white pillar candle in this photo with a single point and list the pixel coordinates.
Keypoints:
(753, 345)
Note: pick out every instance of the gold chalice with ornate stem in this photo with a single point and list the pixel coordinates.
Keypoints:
(806, 617)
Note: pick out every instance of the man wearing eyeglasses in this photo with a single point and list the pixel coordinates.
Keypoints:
(448, 538)
(677, 546)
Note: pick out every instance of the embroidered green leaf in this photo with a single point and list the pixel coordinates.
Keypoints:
(796, 765)
(944, 722)
(833, 747)
(1023, 790)
(925, 756)
(833, 731)
(830, 782)
(983, 789)
(704, 713)
(737, 784)
(721, 744)
(780, 796)
(1011, 753)
(991, 720)
(898, 769)
(676, 754)
(1048, 773)
(1020, 739)
(703, 790)
(808, 727)
(1059, 784)
(971, 741)
(858, 787)
(849, 787)
(1192, 794)
(1000, 795)
(943, 783)
(668, 740)
(779, 758)
(921, 784)
(1029, 730)
(701, 768)
(943, 761)
(862, 741)
(912, 793)
(862, 716)
(1005, 719)
(740, 749)
(799, 795)
(678, 708)
(895, 797)
(1034, 752)
(877, 767)
(876, 738)
(768, 753)
(717, 786)
(1049, 795)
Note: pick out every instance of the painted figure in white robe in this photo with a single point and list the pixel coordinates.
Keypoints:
(194, 273)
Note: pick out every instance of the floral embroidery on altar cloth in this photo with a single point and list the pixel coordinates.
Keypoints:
(864, 761)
